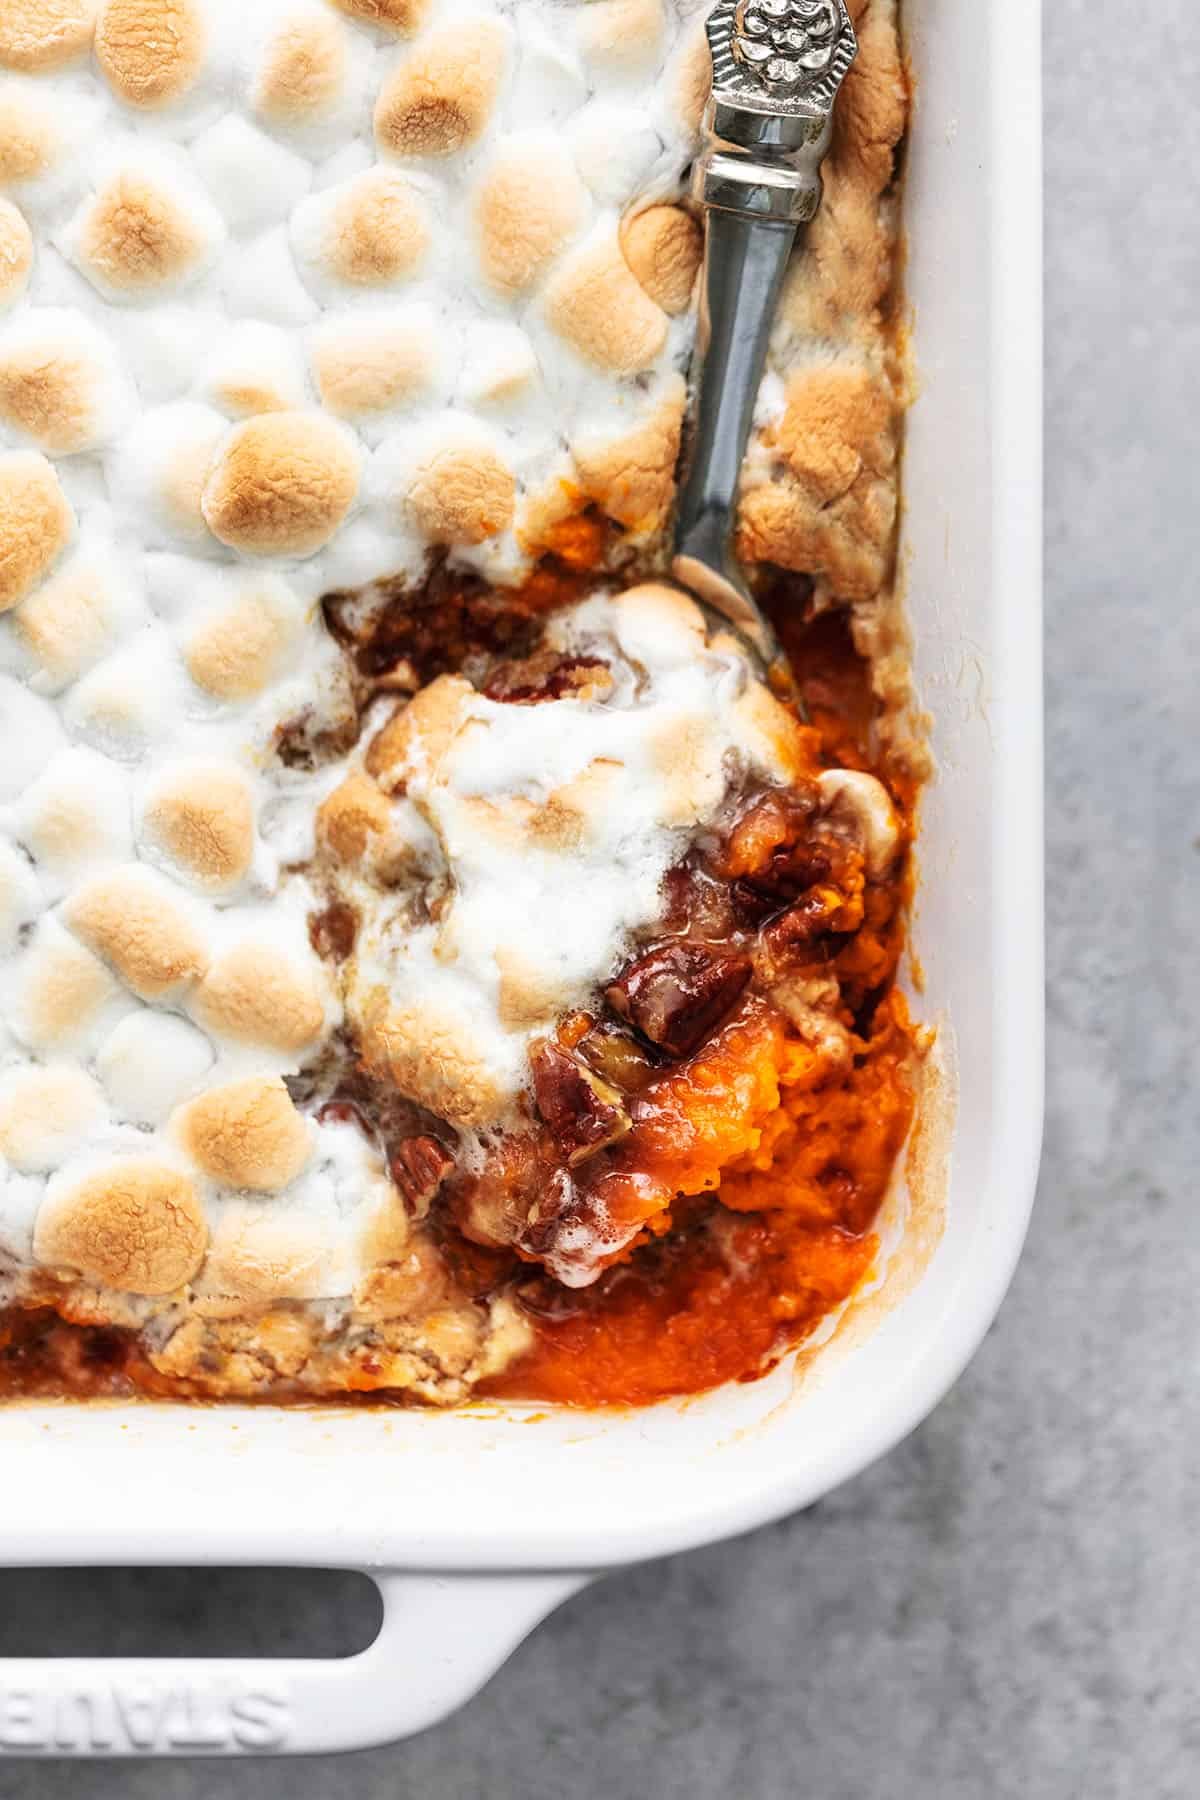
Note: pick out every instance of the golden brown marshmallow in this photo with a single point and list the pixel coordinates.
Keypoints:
(202, 818)
(282, 484)
(239, 649)
(151, 51)
(422, 731)
(257, 995)
(400, 17)
(377, 230)
(42, 1110)
(16, 253)
(63, 989)
(29, 140)
(596, 304)
(50, 391)
(526, 212)
(136, 1225)
(302, 72)
(440, 97)
(246, 1134)
(831, 512)
(463, 495)
(348, 818)
(365, 368)
(622, 35)
(131, 918)
(36, 523)
(136, 238)
(68, 622)
(663, 246)
(36, 35)
(632, 477)
(257, 1255)
(429, 1057)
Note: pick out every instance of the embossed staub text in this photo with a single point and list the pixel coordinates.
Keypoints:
(141, 1715)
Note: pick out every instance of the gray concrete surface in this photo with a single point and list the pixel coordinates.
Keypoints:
(1008, 1608)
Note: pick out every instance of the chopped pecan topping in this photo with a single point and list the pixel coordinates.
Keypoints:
(582, 1111)
(547, 675)
(617, 1057)
(418, 1167)
(676, 995)
(794, 936)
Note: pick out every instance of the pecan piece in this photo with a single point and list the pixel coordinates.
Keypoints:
(617, 1057)
(677, 995)
(583, 1112)
(793, 935)
(418, 1167)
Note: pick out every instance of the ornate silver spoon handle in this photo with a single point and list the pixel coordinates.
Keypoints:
(778, 66)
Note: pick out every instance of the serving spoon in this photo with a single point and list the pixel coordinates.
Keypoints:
(778, 66)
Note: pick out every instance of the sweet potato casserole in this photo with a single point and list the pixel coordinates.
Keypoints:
(435, 960)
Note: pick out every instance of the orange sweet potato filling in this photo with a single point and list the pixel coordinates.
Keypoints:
(799, 1162)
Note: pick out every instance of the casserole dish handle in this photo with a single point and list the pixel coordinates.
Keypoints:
(442, 1636)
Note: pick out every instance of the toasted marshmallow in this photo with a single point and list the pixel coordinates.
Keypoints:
(282, 484)
(135, 1224)
(199, 818)
(36, 35)
(663, 246)
(399, 18)
(301, 69)
(75, 815)
(499, 366)
(60, 383)
(36, 523)
(160, 469)
(16, 254)
(139, 923)
(596, 305)
(370, 231)
(529, 206)
(31, 137)
(256, 369)
(367, 366)
(150, 1063)
(621, 38)
(439, 97)
(145, 233)
(246, 1134)
(255, 994)
(454, 482)
(45, 1113)
(61, 992)
(631, 476)
(127, 704)
(243, 644)
(349, 818)
(151, 51)
(267, 1252)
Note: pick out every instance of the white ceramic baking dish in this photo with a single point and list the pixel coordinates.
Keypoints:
(476, 1525)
